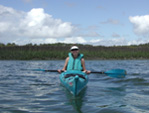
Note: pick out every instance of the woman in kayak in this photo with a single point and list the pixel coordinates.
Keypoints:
(75, 61)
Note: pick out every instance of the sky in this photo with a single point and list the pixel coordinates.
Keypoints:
(95, 22)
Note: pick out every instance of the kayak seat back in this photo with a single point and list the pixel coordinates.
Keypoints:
(73, 75)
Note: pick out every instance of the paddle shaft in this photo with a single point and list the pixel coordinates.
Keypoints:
(117, 73)
(51, 70)
(62, 71)
(97, 72)
(101, 72)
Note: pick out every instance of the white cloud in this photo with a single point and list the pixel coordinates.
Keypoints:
(111, 21)
(74, 40)
(115, 35)
(140, 25)
(138, 41)
(90, 34)
(39, 24)
(90, 31)
(109, 42)
(27, 1)
(35, 24)
(117, 41)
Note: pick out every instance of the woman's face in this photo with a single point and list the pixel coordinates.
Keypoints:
(75, 53)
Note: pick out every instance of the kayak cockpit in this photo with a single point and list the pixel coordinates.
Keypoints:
(74, 81)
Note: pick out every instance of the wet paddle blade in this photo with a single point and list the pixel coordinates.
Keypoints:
(117, 73)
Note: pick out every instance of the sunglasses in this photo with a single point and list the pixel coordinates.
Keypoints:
(74, 49)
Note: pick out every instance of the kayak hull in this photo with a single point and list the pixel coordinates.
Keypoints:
(75, 81)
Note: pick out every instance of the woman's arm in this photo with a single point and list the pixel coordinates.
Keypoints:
(65, 65)
(83, 66)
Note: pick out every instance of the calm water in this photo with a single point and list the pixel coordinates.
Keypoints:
(26, 91)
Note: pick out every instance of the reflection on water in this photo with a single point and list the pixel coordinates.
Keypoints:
(75, 101)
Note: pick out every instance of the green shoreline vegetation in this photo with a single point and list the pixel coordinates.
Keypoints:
(59, 51)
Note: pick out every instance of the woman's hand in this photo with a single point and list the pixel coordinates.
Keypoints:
(60, 71)
(87, 71)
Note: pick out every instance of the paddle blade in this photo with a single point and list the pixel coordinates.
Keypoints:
(117, 73)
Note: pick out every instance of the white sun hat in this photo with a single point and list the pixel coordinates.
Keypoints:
(74, 48)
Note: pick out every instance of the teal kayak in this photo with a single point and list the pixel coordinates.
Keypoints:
(75, 81)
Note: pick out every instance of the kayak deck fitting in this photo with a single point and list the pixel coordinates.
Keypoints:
(75, 81)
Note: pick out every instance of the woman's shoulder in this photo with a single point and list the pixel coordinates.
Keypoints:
(67, 58)
(82, 59)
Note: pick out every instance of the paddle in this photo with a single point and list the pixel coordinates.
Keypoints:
(44, 70)
(117, 73)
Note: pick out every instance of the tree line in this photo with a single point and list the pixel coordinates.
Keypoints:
(11, 51)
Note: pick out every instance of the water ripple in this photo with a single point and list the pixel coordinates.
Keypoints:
(26, 91)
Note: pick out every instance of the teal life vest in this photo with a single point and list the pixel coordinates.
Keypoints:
(75, 64)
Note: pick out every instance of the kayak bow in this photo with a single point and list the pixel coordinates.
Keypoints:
(75, 81)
